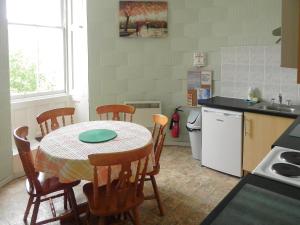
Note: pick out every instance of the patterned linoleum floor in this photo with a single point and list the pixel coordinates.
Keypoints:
(188, 191)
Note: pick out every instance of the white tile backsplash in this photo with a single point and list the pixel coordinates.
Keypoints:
(257, 73)
(228, 55)
(257, 55)
(272, 55)
(258, 67)
(242, 55)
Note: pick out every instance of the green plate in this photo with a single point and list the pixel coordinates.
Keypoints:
(97, 136)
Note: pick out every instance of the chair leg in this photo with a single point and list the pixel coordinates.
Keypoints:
(156, 193)
(29, 204)
(136, 215)
(130, 216)
(65, 200)
(72, 200)
(35, 210)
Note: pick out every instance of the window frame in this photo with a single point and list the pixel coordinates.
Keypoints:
(65, 11)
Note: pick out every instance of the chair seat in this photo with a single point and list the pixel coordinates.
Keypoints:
(49, 185)
(106, 208)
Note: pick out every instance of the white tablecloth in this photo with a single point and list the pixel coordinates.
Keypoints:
(62, 154)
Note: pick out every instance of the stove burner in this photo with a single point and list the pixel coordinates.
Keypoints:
(285, 169)
(291, 157)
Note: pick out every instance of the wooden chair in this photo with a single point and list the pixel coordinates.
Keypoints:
(121, 195)
(38, 186)
(158, 135)
(160, 122)
(52, 116)
(115, 110)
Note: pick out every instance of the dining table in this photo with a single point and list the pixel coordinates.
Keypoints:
(62, 154)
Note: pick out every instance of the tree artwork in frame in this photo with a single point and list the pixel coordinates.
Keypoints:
(138, 19)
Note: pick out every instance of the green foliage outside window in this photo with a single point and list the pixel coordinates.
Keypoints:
(24, 77)
(22, 74)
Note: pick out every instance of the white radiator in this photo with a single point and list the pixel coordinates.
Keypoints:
(144, 110)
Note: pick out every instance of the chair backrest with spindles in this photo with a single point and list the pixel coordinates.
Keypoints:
(53, 116)
(159, 148)
(160, 123)
(130, 181)
(23, 146)
(114, 112)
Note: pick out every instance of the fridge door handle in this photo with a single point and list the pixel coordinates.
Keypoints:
(222, 113)
(214, 112)
(232, 115)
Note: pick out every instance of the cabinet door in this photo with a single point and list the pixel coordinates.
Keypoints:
(290, 33)
(260, 132)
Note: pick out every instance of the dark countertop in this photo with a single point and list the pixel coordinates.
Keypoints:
(242, 106)
(287, 141)
(269, 187)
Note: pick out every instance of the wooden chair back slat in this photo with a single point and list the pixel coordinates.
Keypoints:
(95, 186)
(23, 146)
(63, 120)
(160, 123)
(116, 112)
(52, 116)
(42, 130)
(116, 116)
(108, 186)
(129, 180)
(159, 148)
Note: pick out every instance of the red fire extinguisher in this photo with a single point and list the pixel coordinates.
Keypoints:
(174, 125)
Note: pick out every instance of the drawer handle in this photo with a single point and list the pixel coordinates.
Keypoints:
(247, 127)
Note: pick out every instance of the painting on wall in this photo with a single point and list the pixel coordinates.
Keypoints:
(140, 19)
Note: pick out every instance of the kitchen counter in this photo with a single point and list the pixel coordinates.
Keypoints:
(242, 106)
(287, 141)
(252, 202)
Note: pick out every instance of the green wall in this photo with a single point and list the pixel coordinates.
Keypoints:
(155, 69)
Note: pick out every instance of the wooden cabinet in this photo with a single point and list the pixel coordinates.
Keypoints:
(290, 32)
(298, 76)
(260, 132)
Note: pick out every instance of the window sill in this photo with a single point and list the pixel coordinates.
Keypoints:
(39, 98)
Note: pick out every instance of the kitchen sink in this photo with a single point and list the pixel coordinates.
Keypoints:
(280, 108)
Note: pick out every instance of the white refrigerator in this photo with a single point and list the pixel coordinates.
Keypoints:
(222, 140)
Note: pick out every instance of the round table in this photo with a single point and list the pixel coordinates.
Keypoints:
(62, 154)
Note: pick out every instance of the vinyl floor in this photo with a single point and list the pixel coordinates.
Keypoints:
(188, 191)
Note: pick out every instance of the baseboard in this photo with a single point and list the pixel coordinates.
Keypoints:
(19, 174)
(177, 143)
(6, 181)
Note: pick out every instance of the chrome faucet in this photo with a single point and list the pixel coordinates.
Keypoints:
(280, 98)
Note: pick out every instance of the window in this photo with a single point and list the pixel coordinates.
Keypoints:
(37, 47)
